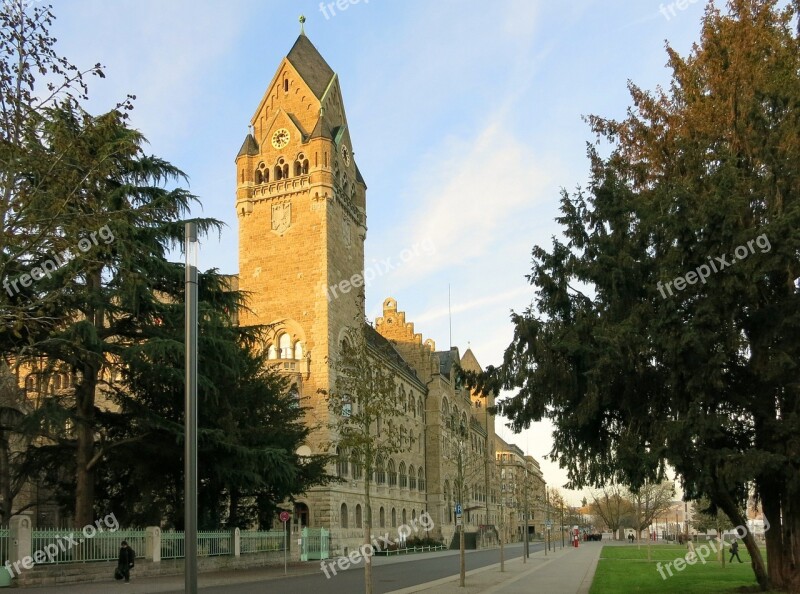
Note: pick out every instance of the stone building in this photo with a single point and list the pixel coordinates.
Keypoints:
(302, 212)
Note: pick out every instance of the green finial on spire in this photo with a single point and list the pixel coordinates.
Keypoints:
(302, 20)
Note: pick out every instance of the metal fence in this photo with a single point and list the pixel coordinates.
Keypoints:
(262, 541)
(213, 544)
(172, 544)
(57, 546)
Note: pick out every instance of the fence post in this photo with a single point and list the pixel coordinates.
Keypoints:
(21, 538)
(153, 544)
(237, 542)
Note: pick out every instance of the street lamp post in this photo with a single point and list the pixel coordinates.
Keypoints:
(463, 567)
(190, 461)
(525, 515)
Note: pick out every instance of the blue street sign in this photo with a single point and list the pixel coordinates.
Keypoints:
(458, 509)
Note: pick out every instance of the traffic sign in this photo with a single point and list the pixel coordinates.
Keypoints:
(285, 516)
(458, 509)
(549, 524)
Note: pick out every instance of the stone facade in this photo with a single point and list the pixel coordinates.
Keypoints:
(301, 206)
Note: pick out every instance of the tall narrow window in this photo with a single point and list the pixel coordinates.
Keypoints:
(343, 516)
(285, 346)
(285, 85)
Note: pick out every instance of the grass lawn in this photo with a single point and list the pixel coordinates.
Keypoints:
(624, 569)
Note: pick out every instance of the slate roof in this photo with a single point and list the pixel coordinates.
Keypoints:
(446, 361)
(310, 64)
(249, 146)
(322, 130)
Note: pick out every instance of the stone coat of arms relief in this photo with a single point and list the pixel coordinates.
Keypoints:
(281, 217)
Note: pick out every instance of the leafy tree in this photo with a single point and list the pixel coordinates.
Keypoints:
(365, 410)
(33, 79)
(647, 343)
(650, 501)
(707, 517)
(612, 507)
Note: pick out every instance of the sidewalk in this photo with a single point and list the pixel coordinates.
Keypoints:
(565, 571)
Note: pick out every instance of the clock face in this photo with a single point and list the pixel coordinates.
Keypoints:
(345, 155)
(280, 138)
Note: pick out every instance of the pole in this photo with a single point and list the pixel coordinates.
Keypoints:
(285, 548)
(525, 515)
(190, 470)
(462, 572)
(562, 524)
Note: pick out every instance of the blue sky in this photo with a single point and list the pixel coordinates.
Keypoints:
(465, 119)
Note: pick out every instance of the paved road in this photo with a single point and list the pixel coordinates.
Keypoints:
(388, 574)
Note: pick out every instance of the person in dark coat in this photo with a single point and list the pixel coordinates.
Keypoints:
(126, 560)
(734, 551)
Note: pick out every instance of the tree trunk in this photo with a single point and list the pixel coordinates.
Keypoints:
(783, 538)
(5, 480)
(367, 535)
(726, 503)
(84, 479)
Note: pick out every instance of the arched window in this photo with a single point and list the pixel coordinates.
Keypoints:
(382, 517)
(358, 516)
(421, 479)
(343, 516)
(413, 515)
(272, 352)
(286, 170)
(341, 463)
(259, 177)
(285, 85)
(355, 468)
(30, 383)
(285, 346)
(298, 168)
(404, 516)
(294, 393)
(380, 472)
(412, 477)
(394, 518)
(392, 473)
(403, 476)
(448, 501)
(281, 169)
(298, 350)
(305, 167)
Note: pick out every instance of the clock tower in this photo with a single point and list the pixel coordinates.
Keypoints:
(301, 208)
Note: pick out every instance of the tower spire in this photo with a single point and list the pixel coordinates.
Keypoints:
(302, 20)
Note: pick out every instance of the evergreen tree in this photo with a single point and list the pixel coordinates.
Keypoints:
(665, 327)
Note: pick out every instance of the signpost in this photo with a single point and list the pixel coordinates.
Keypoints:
(285, 515)
(458, 514)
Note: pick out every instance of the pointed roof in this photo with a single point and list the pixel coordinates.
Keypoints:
(322, 130)
(310, 65)
(249, 147)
